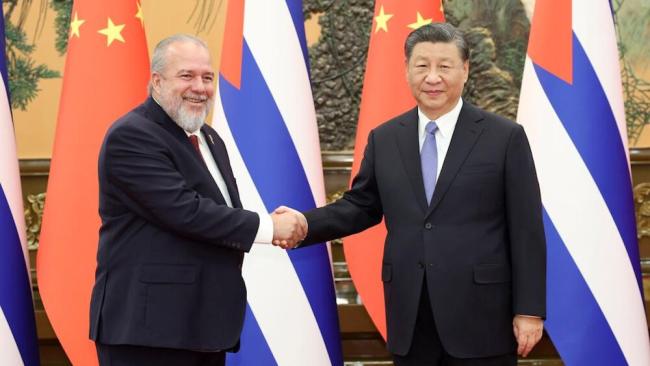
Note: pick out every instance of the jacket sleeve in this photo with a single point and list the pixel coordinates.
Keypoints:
(525, 228)
(358, 209)
(138, 165)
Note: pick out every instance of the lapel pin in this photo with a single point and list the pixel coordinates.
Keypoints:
(211, 140)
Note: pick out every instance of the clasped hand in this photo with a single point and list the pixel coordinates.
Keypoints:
(289, 227)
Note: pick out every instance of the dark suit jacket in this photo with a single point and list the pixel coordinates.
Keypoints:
(480, 243)
(170, 249)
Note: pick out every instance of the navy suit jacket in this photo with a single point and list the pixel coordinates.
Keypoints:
(480, 243)
(170, 249)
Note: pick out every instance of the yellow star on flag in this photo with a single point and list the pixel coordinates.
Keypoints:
(112, 32)
(382, 20)
(420, 22)
(75, 24)
(139, 14)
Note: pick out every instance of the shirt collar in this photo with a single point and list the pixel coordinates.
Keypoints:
(446, 123)
(197, 133)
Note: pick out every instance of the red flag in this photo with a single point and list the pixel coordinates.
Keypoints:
(106, 75)
(385, 95)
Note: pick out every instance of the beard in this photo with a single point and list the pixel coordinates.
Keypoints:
(186, 118)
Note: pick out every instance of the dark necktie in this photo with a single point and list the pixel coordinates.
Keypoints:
(194, 139)
(429, 160)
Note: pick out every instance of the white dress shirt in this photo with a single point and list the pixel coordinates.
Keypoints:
(446, 125)
(265, 230)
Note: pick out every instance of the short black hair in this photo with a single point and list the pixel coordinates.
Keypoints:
(437, 33)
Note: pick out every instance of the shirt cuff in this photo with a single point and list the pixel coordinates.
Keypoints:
(265, 230)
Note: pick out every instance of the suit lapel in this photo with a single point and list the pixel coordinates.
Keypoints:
(218, 150)
(466, 133)
(407, 142)
(158, 115)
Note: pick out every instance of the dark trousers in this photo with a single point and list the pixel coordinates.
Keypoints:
(426, 348)
(144, 356)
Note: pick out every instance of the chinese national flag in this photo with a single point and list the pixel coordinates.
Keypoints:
(106, 75)
(385, 95)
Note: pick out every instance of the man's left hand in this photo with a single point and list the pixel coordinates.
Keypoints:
(528, 331)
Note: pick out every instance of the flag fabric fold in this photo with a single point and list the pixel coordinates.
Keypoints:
(106, 74)
(385, 95)
(572, 108)
(18, 342)
(265, 113)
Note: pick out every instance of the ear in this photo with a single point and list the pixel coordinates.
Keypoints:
(406, 69)
(155, 81)
(466, 70)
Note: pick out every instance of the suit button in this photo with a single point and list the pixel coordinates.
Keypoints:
(420, 265)
(428, 226)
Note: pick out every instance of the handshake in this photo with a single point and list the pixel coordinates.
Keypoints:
(289, 227)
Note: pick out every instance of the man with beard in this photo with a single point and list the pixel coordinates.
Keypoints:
(168, 287)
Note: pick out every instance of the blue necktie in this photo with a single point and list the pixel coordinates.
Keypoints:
(429, 160)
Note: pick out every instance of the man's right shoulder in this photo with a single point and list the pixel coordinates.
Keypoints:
(136, 119)
(410, 116)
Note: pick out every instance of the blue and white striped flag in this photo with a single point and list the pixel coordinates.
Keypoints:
(571, 105)
(265, 113)
(17, 328)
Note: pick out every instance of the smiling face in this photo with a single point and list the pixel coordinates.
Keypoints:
(436, 74)
(185, 87)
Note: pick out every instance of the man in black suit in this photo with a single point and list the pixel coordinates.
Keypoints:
(168, 287)
(464, 258)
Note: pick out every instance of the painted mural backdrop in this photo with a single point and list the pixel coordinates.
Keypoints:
(497, 32)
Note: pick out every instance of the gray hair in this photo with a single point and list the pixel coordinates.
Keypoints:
(437, 33)
(159, 57)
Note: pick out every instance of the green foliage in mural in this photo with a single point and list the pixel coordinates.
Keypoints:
(637, 101)
(513, 58)
(633, 28)
(63, 9)
(24, 73)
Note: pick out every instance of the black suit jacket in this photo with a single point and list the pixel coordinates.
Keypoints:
(480, 243)
(170, 249)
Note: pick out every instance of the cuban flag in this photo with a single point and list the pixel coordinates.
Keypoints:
(18, 344)
(264, 111)
(571, 106)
